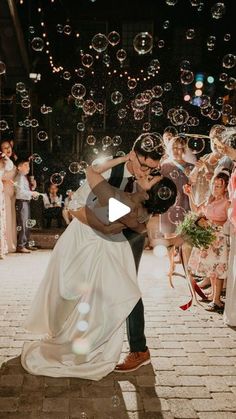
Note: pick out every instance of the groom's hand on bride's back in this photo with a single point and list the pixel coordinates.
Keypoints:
(114, 228)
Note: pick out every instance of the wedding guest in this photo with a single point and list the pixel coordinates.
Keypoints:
(212, 263)
(52, 201)
(10, 198)
(65, 212)
(177, 169)
(230, 307)
(203, 172)
(5, 166)
(23, 197)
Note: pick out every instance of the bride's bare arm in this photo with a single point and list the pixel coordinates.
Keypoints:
(100, 187)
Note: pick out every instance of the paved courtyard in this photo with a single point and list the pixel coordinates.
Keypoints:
(193, 369)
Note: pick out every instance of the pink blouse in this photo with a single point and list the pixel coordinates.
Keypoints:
(216, 210)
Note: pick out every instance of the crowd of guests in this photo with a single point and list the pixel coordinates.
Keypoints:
(17, 188)
(205, 186)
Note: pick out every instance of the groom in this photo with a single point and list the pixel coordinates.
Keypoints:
(142, 163)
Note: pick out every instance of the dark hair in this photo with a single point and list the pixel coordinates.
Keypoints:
(224, 175)
(155, 154)
(22, 160)
(156, 204)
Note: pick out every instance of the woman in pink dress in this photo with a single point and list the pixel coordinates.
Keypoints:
(212, 263)
(8, 188)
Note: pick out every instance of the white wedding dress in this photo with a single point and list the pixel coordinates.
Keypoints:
(85, 267)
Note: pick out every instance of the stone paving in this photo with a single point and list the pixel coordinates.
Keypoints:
(193, 369)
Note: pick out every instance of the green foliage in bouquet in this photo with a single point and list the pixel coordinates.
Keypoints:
(197, 236)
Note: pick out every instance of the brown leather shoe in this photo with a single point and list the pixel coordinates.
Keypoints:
(22, 250)
(133, 361)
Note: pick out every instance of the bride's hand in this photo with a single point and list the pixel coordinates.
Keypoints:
(147, 182)
(114, 228)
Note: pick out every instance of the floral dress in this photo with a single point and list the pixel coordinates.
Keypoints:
(213, 262)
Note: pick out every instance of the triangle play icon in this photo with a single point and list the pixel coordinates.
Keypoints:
(116, 209)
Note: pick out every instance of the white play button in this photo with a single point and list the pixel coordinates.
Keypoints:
(116, 209)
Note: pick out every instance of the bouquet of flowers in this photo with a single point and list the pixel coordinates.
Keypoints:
(196, 230)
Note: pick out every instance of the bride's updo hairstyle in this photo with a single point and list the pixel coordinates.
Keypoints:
(161, 196)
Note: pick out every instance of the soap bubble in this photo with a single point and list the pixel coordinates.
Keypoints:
(167, 86)
(229, 61)
(176, 214)
(80, 72)
(66, 75)
(206, 111)
(30, 223)
(164, 193)
(161, 43)
(34, 123)
(204, 101)
(196, 144)
(218, 10)
(113, 38)
(180, 117)
(138, 115)
(223, 77)
(42, 136)
(150, 141)
(121, 55)
(174, 174)
(59, 28)
(3, 125)
(87, 60)
(82, 167)
(91, 140)
(27, 123)
(2, 67)
(89, 107)
(132, 83)
(227, 37)
(37, 44)
(157, 91)
(106, 141)
(36, 158)
(99, 42)
(155, 64)
(116, 97)
(186, 77)
(25, 103)
(156, 108)
(211, 41)
(185, 65)
(143, 43)
(230, 83)
(74, 167)
(79, 103)
(226, 109)
(215, 114)
(122, 113)
(166, 24)
(67, 29)
(190, 33)
(116, 140)
(171, 2)
(106, 59)
(56, 179)
(20, 87)
(146, 126)
(81, 126)
(81, 346)
(220, 101)
(44, 109)
(78, 91)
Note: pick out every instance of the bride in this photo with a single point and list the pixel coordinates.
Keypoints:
(89, 288)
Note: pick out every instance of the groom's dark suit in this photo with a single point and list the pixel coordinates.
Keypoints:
(135, 321)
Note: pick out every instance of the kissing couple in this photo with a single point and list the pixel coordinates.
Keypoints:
(90, 288)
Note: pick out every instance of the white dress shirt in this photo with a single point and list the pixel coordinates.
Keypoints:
(84, 195)
(22, 187)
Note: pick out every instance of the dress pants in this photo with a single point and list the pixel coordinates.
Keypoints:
(135, 322)
(22, 215)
